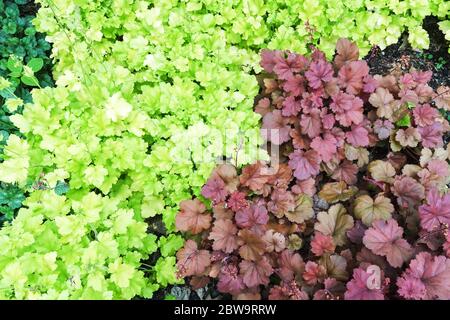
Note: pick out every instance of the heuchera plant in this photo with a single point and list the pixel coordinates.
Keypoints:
(357, 208)
(136, 83)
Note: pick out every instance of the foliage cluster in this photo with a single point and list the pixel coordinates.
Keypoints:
(20, 45)
(137, 82)
(358, 207)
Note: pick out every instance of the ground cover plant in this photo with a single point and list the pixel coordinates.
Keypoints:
(357, 209)
(137, 82)
(20, 46)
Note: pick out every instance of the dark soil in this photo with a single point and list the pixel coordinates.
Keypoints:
(402, 56)
(30, 9)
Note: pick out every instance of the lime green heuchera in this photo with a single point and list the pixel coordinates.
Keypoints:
(147, 92)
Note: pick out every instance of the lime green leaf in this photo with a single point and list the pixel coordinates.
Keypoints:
(170, 245)
(30, 81)
(404, 122)
(14, 64)
(36, 64)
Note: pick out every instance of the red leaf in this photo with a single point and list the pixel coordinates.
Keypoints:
(291, 107)
(348, 109)
(334, 290)
(370, 84)
(229, 280)
(192, 261)
(282, 178)
(304, 164)
(442, 98)
(432, 135)
(319, 72)
(295, 85)
(192, 217)
(252, 176)
(269, 59)
(356, 233)
(346, 172)
(358, 136)
(263, 106)
(275, 241)
(281, 202)
(383, 128)
(422, 77)
(322, 244)
(277, 127)
(228, 174)
(385, 238)
(408, 96)
(285, 68)
(299, 141)
(328, 119)
(346, 51)
(428, 278)
(214, 189)
(408, 191)
(357, 288)
(305, 186)
(250, 216)
(199, 282)
(351, 76)
(424, 92)
(314, 273)
(291, 265)
(311, 123)
(224, 236)
(425, 115)
(255, 273)
(436, 211)
(446, 245)
(220, 212)
(253, 245)
(317, 55)
(287, 291)
(326, 147)
(270, 85)
(237, 201)
(407, 81)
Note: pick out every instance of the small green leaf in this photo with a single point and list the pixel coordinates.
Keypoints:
(7, 212)
(11, 196)
(170, 245)
(15, 74)
(404, 122)
(14, 65)
(410, 105)
(4, 83)
(30, 81)
(36, 64)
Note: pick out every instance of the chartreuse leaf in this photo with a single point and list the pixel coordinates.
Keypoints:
(36, 64)
(166, 271)
(170, 245)
(14, 65)
(404, 122)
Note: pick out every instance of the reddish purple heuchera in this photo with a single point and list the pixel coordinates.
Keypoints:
(357, 207)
